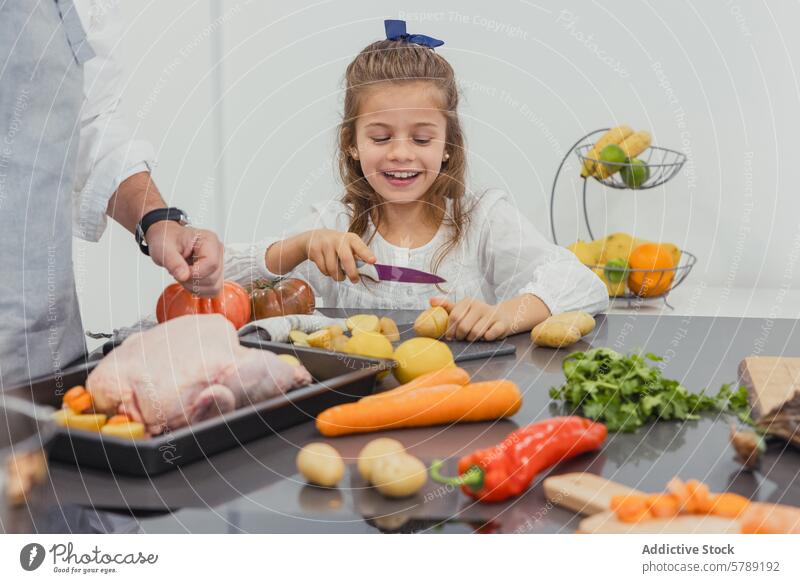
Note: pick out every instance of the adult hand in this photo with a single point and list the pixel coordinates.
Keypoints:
(194, 257)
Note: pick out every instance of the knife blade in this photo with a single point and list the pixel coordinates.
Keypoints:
(383, 272)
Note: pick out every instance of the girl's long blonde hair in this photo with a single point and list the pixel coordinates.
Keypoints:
(399, 61)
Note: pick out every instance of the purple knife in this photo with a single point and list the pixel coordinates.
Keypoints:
(380, 272)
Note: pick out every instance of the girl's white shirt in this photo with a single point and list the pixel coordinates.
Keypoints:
(501, 256)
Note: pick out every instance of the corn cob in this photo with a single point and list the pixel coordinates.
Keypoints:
(633, 145)
(612, 136)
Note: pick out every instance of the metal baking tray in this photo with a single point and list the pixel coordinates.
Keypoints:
(337, 379)
(462, 350)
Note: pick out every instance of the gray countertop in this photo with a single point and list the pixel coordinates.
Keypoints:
(256, 488)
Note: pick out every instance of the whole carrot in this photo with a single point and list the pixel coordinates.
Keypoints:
(444, 376)
(425, 406)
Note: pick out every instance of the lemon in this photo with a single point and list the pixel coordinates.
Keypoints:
(586, 252)
(418, 356)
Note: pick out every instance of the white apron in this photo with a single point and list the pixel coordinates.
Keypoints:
(42, 50)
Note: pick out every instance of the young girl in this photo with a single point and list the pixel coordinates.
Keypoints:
(403, 162)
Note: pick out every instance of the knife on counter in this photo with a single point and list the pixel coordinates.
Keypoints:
(382, 272)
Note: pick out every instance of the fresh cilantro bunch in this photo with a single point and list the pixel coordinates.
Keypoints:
(625, 391)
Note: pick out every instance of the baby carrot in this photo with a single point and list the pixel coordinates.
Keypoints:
(699, 497)
(78, 399)
(663, 505)
(430, 406)
(729, 504)
(630, 508)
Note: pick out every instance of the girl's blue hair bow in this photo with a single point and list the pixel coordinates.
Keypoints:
(396, 30)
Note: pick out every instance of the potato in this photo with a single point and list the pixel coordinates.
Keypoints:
(60, 416)
(371, 344)
(321, 339)
(375, 450)
(399, 475)
(555, 334)
(336, 330)
(389, 329)
(581, 320)
(391, 522)
(86, 422)
(432, 323)
(298, 337)
(289, 359)
(320, 464)
(130, 430)
(562, 329)
(340, 343)
(363, 323)
(418, 356)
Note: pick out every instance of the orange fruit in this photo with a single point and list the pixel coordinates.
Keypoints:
(650, 256)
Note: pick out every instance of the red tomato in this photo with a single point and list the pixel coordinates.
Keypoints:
(233, 303)
(282, 297)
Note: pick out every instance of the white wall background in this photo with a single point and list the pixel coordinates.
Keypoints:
(241, 99)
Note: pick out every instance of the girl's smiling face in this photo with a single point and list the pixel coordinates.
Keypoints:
(400, 139)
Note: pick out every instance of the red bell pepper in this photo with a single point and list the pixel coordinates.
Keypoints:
(496, 473)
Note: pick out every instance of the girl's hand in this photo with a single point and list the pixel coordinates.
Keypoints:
(335, 253)
(472, 319)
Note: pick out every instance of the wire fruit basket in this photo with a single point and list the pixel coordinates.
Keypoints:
(661, 164)
(652, 283)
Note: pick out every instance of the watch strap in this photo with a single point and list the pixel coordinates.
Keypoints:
(154, 216)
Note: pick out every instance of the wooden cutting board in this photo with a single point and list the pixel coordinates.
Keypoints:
(583, 493)
(590, 495)
(607, 523)
(770, 380)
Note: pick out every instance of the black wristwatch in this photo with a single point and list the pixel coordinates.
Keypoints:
(167, 214)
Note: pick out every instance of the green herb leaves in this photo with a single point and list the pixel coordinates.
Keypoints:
(625, 391)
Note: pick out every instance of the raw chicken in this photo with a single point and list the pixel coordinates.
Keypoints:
(186, 370)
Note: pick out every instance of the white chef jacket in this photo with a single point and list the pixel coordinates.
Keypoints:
(107, 153)
(501, 256)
